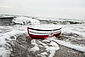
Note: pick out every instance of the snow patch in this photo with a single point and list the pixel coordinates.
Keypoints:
(35, 48)
(44, 54)
(4, 37)
(68, 44)
(4, 52)
(52, 49)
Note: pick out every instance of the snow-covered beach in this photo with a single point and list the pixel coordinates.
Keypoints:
(72, 37)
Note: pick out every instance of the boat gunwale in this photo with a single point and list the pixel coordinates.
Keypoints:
(43, 29)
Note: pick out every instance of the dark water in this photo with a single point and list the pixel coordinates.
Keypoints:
(60, 22)
(8, 21)
(5, 21)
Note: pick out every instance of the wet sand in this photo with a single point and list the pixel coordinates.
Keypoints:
(22, 46)
(67, 52)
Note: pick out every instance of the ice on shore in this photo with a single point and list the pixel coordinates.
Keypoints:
(19, 30)
(6, 36)
(25, 21)
(68, 44)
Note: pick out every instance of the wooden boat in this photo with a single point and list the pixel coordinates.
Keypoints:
(43, 31)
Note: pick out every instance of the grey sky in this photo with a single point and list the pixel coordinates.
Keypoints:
(52, 8)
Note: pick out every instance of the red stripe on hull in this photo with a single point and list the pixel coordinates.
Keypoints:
(42, 36)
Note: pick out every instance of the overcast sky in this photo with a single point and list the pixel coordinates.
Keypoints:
(49, 8)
